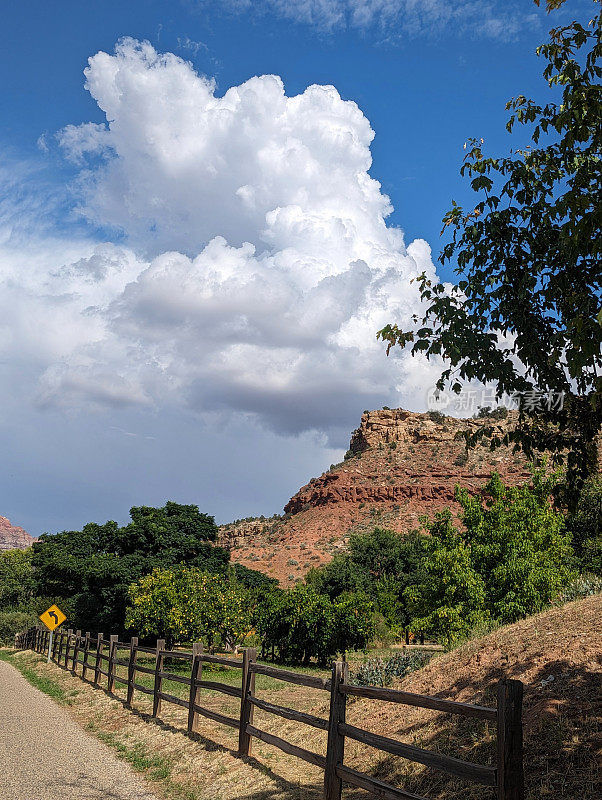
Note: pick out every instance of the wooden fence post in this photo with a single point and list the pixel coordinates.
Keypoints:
(86, 654)
(113, 638)
(511, 782)
(132, 669)
(335, 747)
(249, 656)
(196, 673)
(78, 635)
(158, 678)
(98, 659)
(68, 647)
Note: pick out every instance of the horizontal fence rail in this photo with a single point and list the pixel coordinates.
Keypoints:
(99, 657)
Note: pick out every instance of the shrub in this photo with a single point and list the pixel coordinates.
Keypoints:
(436, 416)
(12, 622)
(501, 412)
(582, 586)
(378, 672)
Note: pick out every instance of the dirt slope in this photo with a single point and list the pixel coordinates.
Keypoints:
(558, 656)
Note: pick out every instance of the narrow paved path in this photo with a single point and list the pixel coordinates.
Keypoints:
(45, 755)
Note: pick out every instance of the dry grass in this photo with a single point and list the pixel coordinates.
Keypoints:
(557, 654)
(205, 764)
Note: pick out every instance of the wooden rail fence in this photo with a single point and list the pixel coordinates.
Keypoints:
(100, 656)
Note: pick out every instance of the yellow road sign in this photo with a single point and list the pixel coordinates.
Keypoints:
(53, 617)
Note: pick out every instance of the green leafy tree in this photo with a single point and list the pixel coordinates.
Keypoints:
(186, 604)
(302, 624)
(353, 626)
(585, 524)
(448, 599)
(16, 579)
(511, 560)
(380, 564)
(525, 314)
(252, 579)
(94, 567)
(518, 544)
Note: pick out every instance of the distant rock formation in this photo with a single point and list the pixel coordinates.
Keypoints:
(400, 466)
(396, 456)
(12, 537)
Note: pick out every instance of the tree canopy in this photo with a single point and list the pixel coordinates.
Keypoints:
(186, 604)
(302, 624)
(380, 564)
(512, 559)
(525, 315)
(16, 582)
(94, 567)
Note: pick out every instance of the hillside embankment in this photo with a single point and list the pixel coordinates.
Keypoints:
(557, 655)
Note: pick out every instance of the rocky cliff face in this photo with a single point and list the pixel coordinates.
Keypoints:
(399, 467)
(397, 457)
(235, 534)
(13, 537)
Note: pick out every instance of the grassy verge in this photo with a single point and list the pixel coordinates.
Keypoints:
(41, 682)
(155, 768)
(179, 766)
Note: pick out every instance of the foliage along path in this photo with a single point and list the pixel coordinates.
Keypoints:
(46, 755)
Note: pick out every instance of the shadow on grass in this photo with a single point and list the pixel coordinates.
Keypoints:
(562, 723)
(282, 786)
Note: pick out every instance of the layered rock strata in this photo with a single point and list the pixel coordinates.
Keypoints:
(400, 467)
(12, 537)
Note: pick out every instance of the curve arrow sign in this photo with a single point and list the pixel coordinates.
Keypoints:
(54, 614)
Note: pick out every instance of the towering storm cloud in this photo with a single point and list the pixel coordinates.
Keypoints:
(243, 262)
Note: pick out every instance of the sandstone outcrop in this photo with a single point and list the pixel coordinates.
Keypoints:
(400, 466)
(12, 537)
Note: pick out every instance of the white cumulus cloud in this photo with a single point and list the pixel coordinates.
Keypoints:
(253, 265)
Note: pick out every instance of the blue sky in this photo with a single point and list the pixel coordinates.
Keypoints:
(423, 94)
(147, 352)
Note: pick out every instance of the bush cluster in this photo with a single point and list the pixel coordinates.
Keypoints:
(380, 672)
